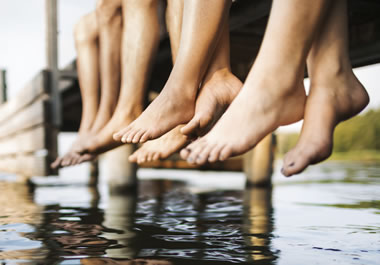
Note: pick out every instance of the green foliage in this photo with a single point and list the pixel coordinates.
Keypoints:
(285, 142)
(359, 135)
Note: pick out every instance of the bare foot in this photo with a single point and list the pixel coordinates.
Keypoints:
(262, 105)
(216, 95)
(174, 106)
(103, 141)
(160, 148)
(331, 101)
(72, 155)
(94, 144)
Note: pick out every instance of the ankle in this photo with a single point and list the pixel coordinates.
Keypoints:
(219, 75)
(332, 69)
(133, 110)
(181, 89)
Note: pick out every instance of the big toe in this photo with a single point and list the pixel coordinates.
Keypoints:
(294, 163)
(57, 163)
(133, 157)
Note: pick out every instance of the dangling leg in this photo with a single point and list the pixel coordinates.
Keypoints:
(273, 93)
(108, 16)
(172, 141)
(86, 36)
(219, 88)
(109, 20)
(202, 24)
(335, 92)
(139, 45)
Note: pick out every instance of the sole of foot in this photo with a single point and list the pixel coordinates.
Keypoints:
(329, 103)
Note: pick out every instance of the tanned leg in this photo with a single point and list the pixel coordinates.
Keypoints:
(108, 15)
(219, 88)
(86, 36)
(201, 28)
(335, 92)
(173, 140)
(110, 28)
(139, 45)
(273, 93)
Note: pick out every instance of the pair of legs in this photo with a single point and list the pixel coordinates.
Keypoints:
(97, 39)
(121, 59)
(273, 93)
(218, 88)
(175, 104)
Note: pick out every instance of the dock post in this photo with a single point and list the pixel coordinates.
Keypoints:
(94, 173)
(120, 173)
(258, 212)
(52, 57)
(258, 163)
(3, 86)
(51, 21)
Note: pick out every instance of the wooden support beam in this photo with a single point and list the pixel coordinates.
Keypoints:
(52, 58)
(120, 172)
(68, 74)
(258, 163)
(3, 86)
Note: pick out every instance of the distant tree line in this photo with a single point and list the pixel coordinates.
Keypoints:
(359, 133)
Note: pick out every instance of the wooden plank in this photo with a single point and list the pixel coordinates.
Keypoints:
(31, 92)
(31, 116)
(68, 74)
(25, 142)
(26, 165)
(233, 164)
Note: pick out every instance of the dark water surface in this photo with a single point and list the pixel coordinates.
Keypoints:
(328, 215)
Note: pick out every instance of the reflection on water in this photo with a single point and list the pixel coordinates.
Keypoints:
(176, 222)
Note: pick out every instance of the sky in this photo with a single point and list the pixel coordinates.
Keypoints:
(22, 44)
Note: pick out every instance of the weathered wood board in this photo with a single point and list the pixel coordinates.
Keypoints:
(28, 141)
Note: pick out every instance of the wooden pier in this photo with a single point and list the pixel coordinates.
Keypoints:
(51, 102)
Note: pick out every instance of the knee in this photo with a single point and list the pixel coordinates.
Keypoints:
(86, 30)
(107, 11)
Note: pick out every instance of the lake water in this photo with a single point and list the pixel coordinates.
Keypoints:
(328, 215)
